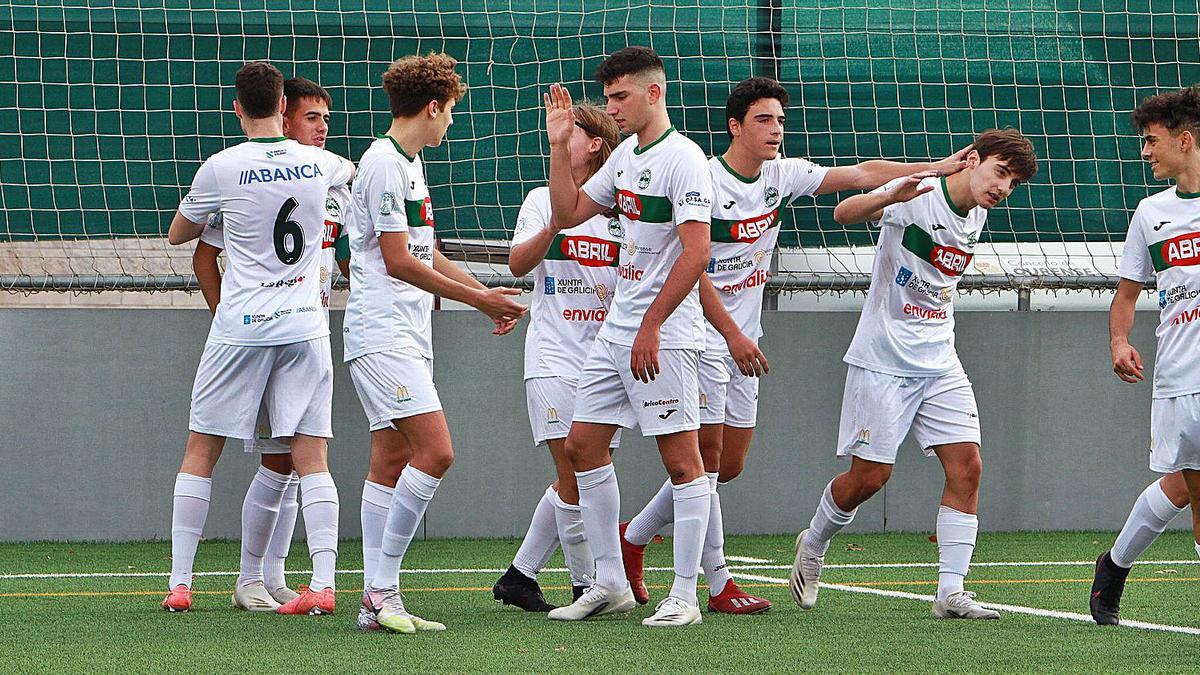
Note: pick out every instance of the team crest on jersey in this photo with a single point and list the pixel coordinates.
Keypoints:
(615, 228)
(387, 203)
(772, 196)
(402, 395)
(972, 240)
(644, 179)
(333, 208)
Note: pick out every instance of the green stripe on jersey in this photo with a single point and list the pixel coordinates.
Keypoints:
(1179, 251)
(946, 259)
(587, 251)
(726, 231)
(412, 211)
(341, 248)
(644, 208)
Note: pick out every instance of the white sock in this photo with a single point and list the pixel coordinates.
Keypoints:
(827, 521)
(956, 542)
(274, 576)
(693, 501)
(373, 514)
(1198, 548)
(712, 560)
(189, 510)
(600, 503)
(540, 540)
(320, 498)
(409, 501)
(260, 511)
(576, 552)
(653, 517)
(1150, 515)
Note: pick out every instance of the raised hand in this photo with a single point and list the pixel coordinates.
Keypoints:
(954, 163)
(560, 118)
(910, 187)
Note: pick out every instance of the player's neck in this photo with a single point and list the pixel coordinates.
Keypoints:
(265, 127)
(654, 130)
(958, 191)
(410, 137)
(1188, 181)
(742, 161)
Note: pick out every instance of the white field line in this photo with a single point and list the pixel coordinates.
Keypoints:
(498, 570)
(1015, 609)
(746, 559)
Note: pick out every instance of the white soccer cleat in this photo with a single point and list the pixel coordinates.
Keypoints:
(253, 597)
(673, 612)
(805, 577)
(386, 610)
(283, 595)
(962, 605)
(595, 601)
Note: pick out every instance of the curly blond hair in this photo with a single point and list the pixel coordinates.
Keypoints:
(413, 81)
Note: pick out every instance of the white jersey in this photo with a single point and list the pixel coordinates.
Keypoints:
(654, 188)
(334, 247)
(389, 195)
(271, 194)
(745, 228)
(907, 324)
(1163, 243)
(572, 291)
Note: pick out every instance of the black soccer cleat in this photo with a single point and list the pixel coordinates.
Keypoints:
(1107, 587)
(519, 590)
(577, 592)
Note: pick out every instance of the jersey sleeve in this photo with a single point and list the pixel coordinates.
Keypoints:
(893, 214)
(337, 169)
(801, 177)
(384, 198)
(214, 231)
(602, 186)
(1135, 257)
(204, 198)
(690, 188)
(533, 216)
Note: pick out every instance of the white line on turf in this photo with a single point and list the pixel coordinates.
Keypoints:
(497, 570)
(1015, 609)
(746, 559)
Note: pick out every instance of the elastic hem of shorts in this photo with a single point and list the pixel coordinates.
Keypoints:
(323, 433)
(385, 422)
(221, 432)
(876, 459)
(709, 422)
(539, 442)
(1174, 469)
(740, 424)
(615, 423)
(928, 450)
(669, 430)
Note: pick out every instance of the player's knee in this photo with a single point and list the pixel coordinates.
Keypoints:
(439, 462)
(966, 473)
(730, 471)
(867, 480)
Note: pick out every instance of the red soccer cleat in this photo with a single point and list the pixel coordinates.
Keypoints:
(632, 556)
(733, 600)
(309, 602)
(178, 600)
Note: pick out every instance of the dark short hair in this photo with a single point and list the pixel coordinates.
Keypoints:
(1012, 147)
(1176, 110)
(259, 88)
(297, 89)
(413, 81)
(628, 61)
(746, 93)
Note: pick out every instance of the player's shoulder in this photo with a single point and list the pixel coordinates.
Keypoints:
(683, 148)
(538, 196)
(1160, 199)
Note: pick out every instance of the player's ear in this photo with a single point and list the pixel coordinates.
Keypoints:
(594, 144)
(432, 108)
(735, 127)
(973, 159)
(654, 92)
(1187, 141)
(237, 109)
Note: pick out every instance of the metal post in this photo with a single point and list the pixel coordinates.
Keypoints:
(1023, 295)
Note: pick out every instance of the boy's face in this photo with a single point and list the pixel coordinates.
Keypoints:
(991, 180)
(1166, 152)
(309, 122)
(761, 131)
(629, 103)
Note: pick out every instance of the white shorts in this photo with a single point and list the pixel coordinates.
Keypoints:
(263, 443)
(393, 385)
(1175, 434)
(726, 395)
(551, 402)
(293, 382)
(878, 410)
(608, 394)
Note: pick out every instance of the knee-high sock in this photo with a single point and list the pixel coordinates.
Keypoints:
(409, 501)
(827, 521)
(693, 501)
(274, 576)
(260, 511)
(576, 552)
(653, 517)
(1150, 515)
(600, 503)
(189, 510)
(712, 560)
(373, 514)
(956, 542)
(320, 498)
(541, 539)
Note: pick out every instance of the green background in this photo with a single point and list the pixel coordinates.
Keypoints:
(109, 108)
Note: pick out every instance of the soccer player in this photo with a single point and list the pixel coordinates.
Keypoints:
(396, 271)
(269, 340)
(903, 371)
(575, 272)
(751, 185)
(270, 508)
(642, 367)
(1163, 243)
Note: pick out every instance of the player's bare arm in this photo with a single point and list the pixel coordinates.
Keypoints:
(872, 173)
(570, 204)
(1127, 363)
(749, 358)
(208, 273)
(869, 207)
(401, 265)
(183, 230)
(643, 358)
(446, 267)
(528, 254)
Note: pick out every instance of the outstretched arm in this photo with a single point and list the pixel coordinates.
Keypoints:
(872, 173)
(869, 207)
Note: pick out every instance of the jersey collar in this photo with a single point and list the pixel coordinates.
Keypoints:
(638, 151)
(399, 149)
(950, 202)
(273, 139)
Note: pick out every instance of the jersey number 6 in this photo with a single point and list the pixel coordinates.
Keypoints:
(289, 236)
